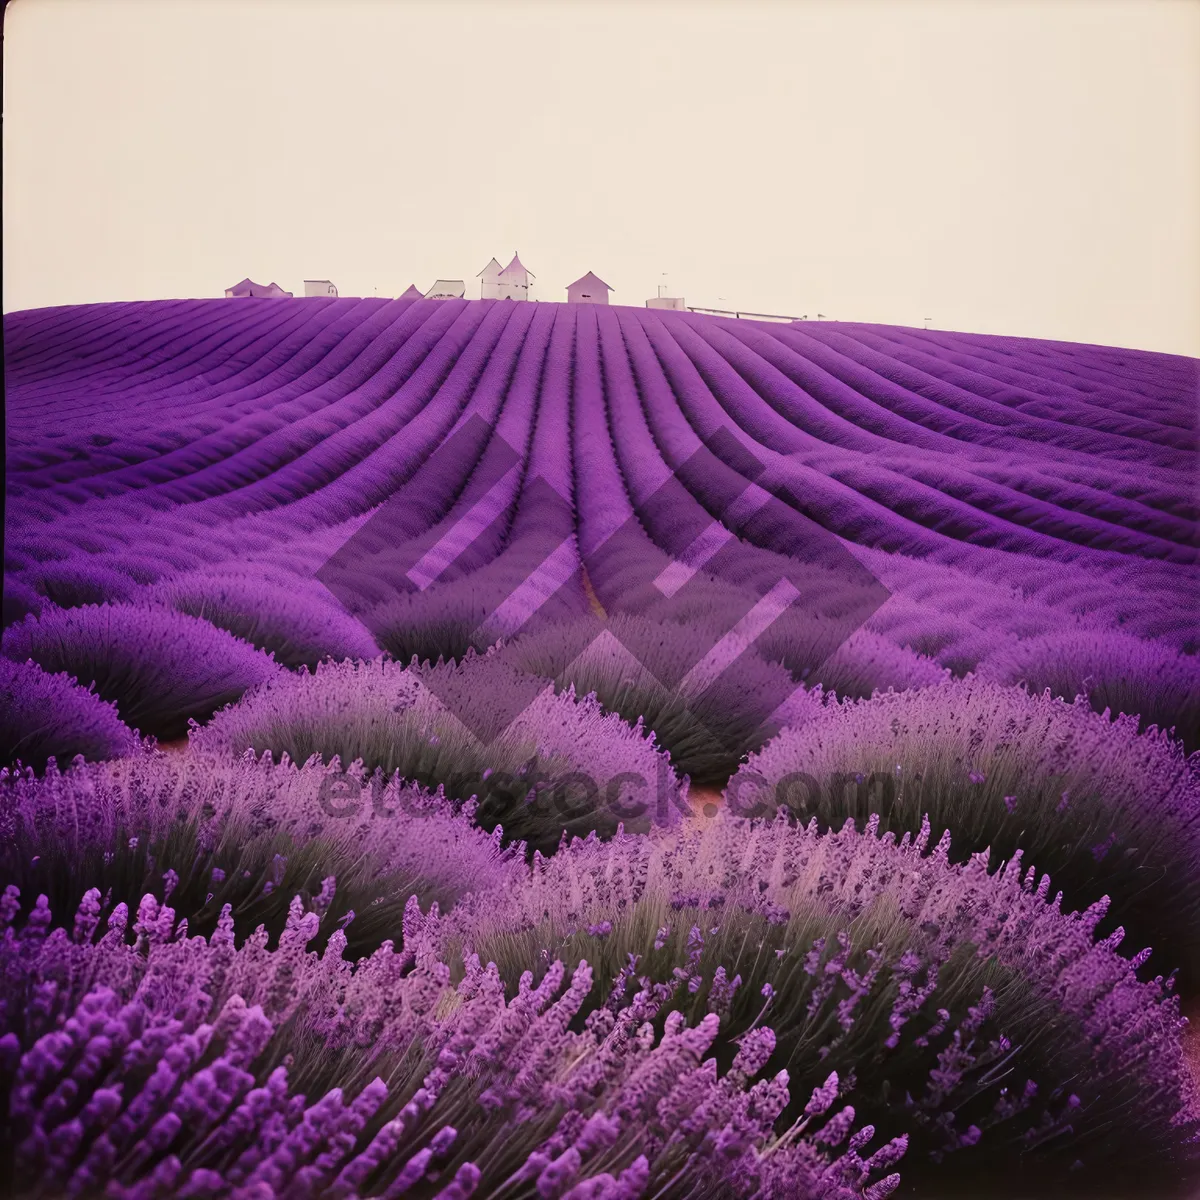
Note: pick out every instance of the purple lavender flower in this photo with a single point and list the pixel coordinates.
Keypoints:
(958, 919)
(1113, 673)
(250, 829)
(823, 1097)
(45, 716)
(632, 666)
(161, 669)
(279, 611)
(1137, 787)
(184, 1018)
(551, 770)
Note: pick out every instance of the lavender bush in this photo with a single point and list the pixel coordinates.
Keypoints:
(974, 1016)
(1106, 810)
(1115, 672)
(454, 617)
(287, 617)
(50, 716)
(246, 834)
(149, 1061)
(925, 628)
(19, 601)
(867, 662)
(440, 624)
(161, 669)
(632, 668)
(70, 584)
(562, 765)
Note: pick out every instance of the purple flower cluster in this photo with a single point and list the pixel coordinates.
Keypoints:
(631, 664)
(1115, 672)
(562, 763)
(160, 668)
(247, 833)
(46, 716)
(274, 610)
(867, 662)
(162, 1079)
(1005, 771)
(903, 934)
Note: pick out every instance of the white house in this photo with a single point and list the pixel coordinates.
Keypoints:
(513, 282)
(490, 286)
(447, 289)
(249, 288)
(590, 289)
(319, 287)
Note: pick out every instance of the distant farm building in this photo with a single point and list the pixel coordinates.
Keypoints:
(319, 287)
(590, 289)
(675, 302)
(490, 287)
(447, 289)
(249, 288)
(513, 282)
(412, 292)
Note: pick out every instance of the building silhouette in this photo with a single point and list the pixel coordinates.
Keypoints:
(589, 289)
(248, 287)
(447, 289)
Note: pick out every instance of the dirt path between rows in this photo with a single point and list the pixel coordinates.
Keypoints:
(705, 801)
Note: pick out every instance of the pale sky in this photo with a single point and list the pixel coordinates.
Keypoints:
(1000, 166)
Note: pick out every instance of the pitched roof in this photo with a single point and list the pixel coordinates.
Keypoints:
(248, 287)
(493, 263)
(590, 278)
(447, 287)
(412, 292)
(517, 265)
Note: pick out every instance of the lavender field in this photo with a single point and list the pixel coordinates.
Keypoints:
(469, 748)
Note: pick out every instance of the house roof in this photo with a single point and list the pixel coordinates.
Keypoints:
(412, 292)
(248, 287)
(517, 266)
(590, 278)
(447, 287)
(490, 265)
